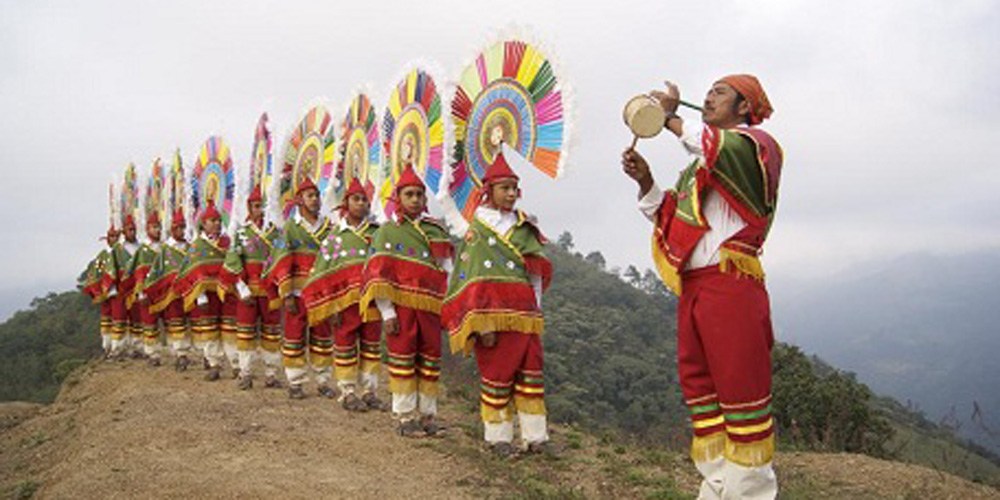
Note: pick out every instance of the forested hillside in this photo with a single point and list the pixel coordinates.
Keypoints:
(609, 368)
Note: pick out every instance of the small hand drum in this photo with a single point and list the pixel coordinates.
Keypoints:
(644, 117)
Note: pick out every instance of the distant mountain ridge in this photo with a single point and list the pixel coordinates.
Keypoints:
(920, 328)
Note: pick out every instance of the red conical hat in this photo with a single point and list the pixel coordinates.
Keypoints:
(499, 169)
(210, 212)
(408, 178)
(153, 218)
(355, 187)
(178, 218)
(255, 195)
(129, 221)
(306, 183)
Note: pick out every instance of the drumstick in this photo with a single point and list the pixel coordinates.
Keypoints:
(682, 102)
(689, 105)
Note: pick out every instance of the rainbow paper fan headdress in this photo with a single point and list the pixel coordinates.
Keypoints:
(309, 151)
(508, 97)
(213, 179)
(413, 132)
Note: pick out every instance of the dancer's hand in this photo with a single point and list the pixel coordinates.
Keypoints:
(390, 326)
(487, 339)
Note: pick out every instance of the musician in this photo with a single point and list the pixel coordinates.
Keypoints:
(708, 233)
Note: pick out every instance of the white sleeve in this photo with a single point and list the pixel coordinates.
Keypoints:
(112, 291)
(536, 283)
(691, 138)
(242, 289)
(650, 202)
(446, 264)
(385, 308)
(202, 300)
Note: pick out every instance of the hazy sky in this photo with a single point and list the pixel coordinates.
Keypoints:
(887, 111)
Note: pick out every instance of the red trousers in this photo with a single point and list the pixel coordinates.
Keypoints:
(724, 340)
(206, 319)
(119, 317)
(106, 321)
(147, 322)
(254, 315)
(174, 319)
(294, 347)
(227, 318)
(512, 367)
(356, 343)
(415, 352)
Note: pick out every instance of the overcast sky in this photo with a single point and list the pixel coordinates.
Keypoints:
(888, 112)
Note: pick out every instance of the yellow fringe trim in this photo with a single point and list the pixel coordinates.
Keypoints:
(750, 454)
(320, 361)
(402, 386)
(531, 406)
(346, 373)
(493, 415)
(191, 298)
(162, 304)
(324, 311)
(245, 345)
(275, 304)
(732, 261)
(405, 298)
(706, 448)
(427, 388)
(489, 321)
(208, 336)
(296, 362)
(668, 274)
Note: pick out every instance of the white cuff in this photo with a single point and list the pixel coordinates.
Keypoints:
(242, 289)
(691, 138)
(650, 202)
(202, 300)
(385, 308)
(536, 283)
(446, 264)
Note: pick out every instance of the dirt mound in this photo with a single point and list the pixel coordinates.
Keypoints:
(124, 430)
(127, 431)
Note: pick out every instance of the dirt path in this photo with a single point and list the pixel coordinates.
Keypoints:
(123, 430)
(172, 435)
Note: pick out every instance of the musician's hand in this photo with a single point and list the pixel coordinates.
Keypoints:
(390, 326)
(487, 339)
(635, 166)
(669, 99)
(292, 306)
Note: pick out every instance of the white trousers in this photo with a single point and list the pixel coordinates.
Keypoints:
(725, 480)
(298, 376)
(534, 429)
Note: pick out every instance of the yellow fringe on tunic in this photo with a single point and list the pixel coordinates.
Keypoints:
(739, 263)
(321, 313)
(411, 299)
(494, 321)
